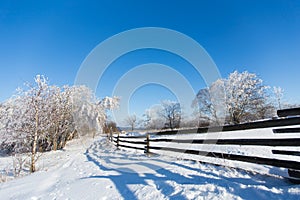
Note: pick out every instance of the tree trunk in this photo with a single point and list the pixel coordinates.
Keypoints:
(61, 141)
(34, 142)
(55, 145)
(64, 142)
(170, 124)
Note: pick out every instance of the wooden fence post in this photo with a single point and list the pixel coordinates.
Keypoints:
(110, 134)
(147, 147)
(118, 138)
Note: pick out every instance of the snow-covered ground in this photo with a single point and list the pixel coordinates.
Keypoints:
(97, 170)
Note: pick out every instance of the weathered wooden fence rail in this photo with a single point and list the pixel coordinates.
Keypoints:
(272, 143)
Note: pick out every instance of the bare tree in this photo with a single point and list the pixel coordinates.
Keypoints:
(131, 121)
(110, 125)
(171, 112)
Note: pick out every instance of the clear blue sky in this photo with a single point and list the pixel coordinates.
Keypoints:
(54, 37)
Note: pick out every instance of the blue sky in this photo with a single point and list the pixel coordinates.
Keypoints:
(54, 37)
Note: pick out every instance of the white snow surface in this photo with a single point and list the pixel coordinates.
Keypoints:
(97, 170)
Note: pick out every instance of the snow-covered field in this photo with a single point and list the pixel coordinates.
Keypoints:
(97, 170)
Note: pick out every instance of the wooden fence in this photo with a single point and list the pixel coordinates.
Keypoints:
(267, 143)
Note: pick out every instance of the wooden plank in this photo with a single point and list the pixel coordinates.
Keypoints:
(133, 142)
(250, 159)
(256, 142)
(294, 174)
(285, 152)
(288, 112)
(244, 126)
(134, 137)
(286, 130)
(130, 147)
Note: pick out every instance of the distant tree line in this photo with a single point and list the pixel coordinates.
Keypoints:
(242, 97)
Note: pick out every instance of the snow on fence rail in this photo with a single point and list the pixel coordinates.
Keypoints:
(267, 143)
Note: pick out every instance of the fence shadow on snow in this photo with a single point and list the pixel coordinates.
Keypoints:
(274, 143)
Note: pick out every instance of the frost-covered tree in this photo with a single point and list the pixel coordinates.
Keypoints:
(83, 110)
(278, 94)
(27, 118)
(89, 113)
(2, 117)
(6, 140)
(61, 120)
(244, 92)
(105, 105)
(131, 120)
(110, 103)
(152, 118)
(44, 117)
(241, 97)
(211, 103)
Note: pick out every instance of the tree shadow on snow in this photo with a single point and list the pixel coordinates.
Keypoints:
(246, 188)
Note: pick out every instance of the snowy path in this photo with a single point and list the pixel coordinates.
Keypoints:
(102, 172)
